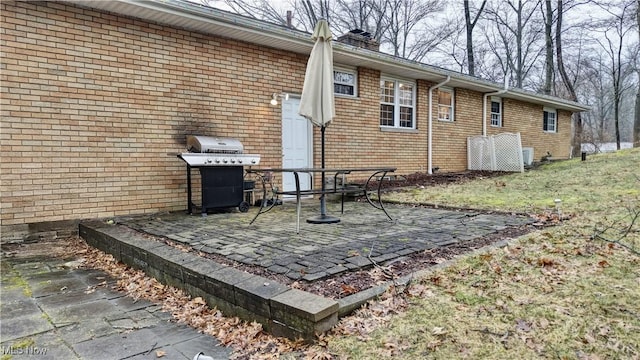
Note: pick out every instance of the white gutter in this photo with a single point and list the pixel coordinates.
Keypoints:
(484, 105)
(430, 133)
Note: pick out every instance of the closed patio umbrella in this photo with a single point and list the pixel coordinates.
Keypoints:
(317, 103)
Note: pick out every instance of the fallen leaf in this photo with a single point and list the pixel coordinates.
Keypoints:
(523, 326)
(160, 353)
(433, 345)
(604, 331)
(543, 323)
(416, 290)
(588, 339)
(486, 257)
(199, 301)
(439, 260)
(546, 262)
(603, 264)
(438, 330)
(497, 268)
(348, 289)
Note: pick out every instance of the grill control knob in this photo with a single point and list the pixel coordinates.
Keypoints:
(209, 161)
(253, 161)
(225, 160)
(217, 161)
(233, 161)
(239, 161)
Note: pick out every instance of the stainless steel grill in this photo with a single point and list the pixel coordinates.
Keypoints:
(213, 151)
(221, 163)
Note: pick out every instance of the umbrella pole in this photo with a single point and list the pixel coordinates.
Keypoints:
(323, 201)
(323, 218)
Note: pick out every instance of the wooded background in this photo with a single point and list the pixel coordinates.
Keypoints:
(581, 50)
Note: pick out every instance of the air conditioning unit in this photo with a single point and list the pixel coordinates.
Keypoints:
(527, 156)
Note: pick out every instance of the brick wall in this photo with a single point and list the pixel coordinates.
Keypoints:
(450, 138)
(526, 119)
(96, 106)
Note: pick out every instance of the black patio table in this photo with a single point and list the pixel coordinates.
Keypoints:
(266, 174)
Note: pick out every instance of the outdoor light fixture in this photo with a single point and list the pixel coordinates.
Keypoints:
(275, 96)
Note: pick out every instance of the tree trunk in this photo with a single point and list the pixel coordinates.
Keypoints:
(470, 24)
(519, 66)
(636, 122)
(548, 69)
(470, 59)
(616, 112)
(578, 128)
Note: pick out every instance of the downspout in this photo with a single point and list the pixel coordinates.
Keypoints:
(430, 132)
(484, 105)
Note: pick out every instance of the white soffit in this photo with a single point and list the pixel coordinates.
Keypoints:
(203, 19)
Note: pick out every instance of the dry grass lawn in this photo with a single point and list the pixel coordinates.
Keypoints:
(571, 291)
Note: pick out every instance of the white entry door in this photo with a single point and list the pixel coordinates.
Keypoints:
(297, 133)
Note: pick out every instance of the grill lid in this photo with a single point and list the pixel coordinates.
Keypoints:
(209, 144)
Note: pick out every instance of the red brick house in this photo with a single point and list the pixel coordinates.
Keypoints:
(98, 97)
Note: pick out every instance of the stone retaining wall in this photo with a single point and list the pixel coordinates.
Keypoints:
(282, 311)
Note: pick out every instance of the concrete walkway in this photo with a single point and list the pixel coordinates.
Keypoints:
(52, 311)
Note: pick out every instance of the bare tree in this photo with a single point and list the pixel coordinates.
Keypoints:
(636, 122)
(367, 15)
(452, 50)
(517, 41)
(614, 31)
(597, 84)
(260, 9)
(304, 13)
(518, 38)
(469, 25)
(409, 33)
(548, 42)
(566, 80)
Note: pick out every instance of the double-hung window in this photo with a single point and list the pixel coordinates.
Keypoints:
(397, 103)
(344, 81)
(549, 120)
(496, 111)
(445, 104)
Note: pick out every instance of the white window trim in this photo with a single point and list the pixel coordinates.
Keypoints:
(355, 80)
(555, 124)
(499, 101)
(396, 104)
(453, 103)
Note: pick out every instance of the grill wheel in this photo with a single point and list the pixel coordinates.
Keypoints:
(243, 207)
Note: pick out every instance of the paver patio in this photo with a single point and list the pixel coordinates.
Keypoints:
(322, 250)
(318, 251)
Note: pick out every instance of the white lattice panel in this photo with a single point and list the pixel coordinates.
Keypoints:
(502, 152)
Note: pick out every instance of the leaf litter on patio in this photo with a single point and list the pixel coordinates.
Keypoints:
(569, 291)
